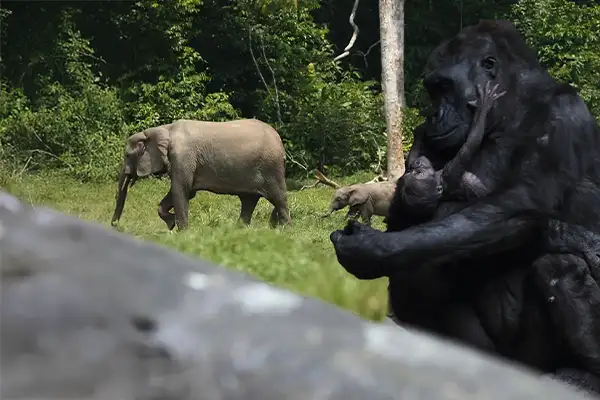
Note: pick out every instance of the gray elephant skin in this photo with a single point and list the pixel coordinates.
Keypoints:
(364, 199)
(244, 158)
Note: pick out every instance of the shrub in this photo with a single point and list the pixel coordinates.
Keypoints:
(82, 133)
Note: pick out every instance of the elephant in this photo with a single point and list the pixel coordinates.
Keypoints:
(366, 199)
(243, 157)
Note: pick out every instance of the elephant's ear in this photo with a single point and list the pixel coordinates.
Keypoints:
(358, 196)
(154, 157)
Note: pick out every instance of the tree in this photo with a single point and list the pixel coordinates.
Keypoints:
(391, 17)
(391, 20)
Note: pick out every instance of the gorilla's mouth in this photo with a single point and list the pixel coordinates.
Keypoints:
(446, 133)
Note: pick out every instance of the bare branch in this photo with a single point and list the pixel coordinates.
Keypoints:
(354, 35)
(365, 54)
(293, 161)
(310, 186)
(254, 60)
(262, 46)
(264, 81)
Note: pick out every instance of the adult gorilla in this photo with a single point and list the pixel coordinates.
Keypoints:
(538, 158)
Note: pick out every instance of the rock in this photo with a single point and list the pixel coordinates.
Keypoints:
(90, 313)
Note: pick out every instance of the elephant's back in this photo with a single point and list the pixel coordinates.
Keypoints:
(252, 134)
(244, 152)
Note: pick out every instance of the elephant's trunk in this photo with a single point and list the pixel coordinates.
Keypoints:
(124, 180)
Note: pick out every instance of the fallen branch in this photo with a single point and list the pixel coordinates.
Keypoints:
(323, 180)
(326, 181)
(354, 34)
(378, 178)
(310, 186)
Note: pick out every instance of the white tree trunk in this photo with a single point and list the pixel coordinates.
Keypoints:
(391, 19)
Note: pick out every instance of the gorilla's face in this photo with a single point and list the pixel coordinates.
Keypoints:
(459, 64)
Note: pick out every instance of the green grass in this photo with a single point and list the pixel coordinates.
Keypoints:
(299, 257)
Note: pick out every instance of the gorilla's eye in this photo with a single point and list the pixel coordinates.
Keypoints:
(488, 63)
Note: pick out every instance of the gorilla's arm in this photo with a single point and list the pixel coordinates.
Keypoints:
(484, 228)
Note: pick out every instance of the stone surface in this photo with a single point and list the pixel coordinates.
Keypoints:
(90, 313)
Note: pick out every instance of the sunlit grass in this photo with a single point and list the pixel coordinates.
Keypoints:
(299, 257)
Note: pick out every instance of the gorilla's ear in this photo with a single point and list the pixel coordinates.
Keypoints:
(154, 156)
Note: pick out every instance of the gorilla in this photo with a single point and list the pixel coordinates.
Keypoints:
(421, 189)
(509, 271)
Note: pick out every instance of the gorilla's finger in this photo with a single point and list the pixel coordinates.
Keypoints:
(335, 236)
(353, 227)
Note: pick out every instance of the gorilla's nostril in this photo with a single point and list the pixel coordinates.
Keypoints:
(472, 104)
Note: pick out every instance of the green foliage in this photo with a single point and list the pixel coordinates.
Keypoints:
(339, 125)
(328, 117)
(92, 73)
(566, 36)
(181, 97)
(412, 119)
(74, 122)
(81, 133)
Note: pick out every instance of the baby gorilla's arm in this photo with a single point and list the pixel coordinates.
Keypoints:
(454, 177)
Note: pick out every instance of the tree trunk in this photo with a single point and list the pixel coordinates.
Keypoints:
(391, 19)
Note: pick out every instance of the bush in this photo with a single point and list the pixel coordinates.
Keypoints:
(184, 96)
(82, 133)
(337, 125)
(566, 37)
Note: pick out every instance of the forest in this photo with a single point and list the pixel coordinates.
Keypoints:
(77, 78)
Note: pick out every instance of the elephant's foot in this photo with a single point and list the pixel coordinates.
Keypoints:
(243, 222)
(170, 223)
(167, 217)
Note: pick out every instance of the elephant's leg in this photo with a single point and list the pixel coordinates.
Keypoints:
(278, 197)
(280, 214)
(366, 213)
(249, 202)
(275, 218)
(181, 193)
(164, 210)
(353, 212)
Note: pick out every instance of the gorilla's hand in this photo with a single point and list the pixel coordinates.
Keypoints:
(355, 249)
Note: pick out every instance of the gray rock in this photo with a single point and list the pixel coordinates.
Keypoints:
(89, 313)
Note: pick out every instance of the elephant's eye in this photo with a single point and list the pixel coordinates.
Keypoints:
(488, 63)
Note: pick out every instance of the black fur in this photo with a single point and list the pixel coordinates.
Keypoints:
(421, 189)
(484, 271)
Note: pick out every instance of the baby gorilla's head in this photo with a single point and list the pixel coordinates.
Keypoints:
(420, 187)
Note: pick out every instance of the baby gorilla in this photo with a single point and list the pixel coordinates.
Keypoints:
(420, 190)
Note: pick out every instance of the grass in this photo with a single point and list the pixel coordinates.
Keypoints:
(299, 257)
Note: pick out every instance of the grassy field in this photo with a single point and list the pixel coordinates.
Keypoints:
(299, 257)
